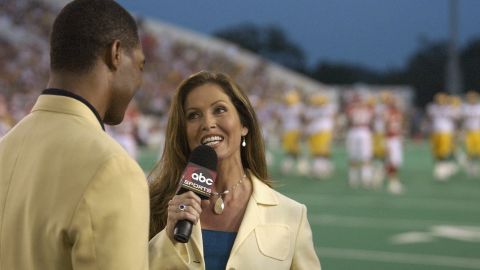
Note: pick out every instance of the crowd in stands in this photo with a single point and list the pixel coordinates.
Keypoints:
(23, 54)
(24, 71)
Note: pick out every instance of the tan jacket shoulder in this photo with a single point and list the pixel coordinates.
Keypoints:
(70, 195)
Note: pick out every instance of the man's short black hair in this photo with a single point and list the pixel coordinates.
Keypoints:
(84, 29)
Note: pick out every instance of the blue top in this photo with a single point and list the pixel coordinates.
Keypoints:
(216, 248)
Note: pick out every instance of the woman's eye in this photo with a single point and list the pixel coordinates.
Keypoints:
(220, 109)
(192, 115)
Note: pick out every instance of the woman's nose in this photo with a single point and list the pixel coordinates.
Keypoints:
(209, 123)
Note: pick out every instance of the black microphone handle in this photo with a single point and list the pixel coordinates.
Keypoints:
(182, 231)
(183, 228)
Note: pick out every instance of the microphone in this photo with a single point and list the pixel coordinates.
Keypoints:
(198, 176)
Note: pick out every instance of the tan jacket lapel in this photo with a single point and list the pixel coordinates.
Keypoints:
(197, 244)
(262, 196)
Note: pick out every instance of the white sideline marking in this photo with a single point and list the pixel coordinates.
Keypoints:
(402, 258)
(459, 233)
(462, 233)
(411, 238)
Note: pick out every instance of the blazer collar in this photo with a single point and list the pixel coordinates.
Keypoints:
(66, 105)
(262, 193)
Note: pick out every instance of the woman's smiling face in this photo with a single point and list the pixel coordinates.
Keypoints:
(212, 119)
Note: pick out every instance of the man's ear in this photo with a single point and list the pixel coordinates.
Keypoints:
(113, 55)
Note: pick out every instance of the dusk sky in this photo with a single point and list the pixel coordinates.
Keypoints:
(378, 34)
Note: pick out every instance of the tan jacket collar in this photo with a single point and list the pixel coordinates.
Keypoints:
(262, 193)
(65, 105)
(262, 196)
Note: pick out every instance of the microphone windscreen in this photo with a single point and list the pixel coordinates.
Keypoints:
(204, 156)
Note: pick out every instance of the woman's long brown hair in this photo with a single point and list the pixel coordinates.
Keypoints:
(166, 174)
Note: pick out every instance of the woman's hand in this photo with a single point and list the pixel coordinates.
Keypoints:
(184, 206)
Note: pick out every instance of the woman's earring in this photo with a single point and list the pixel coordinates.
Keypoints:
(244, 143)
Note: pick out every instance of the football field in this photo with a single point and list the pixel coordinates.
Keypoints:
(432, 225)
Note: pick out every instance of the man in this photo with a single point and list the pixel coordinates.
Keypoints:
(70, 196)
(378, 136)
(320, 116)
(359, 142)
(442, 119)
(394, 120)
(471, 129)
(291, 114)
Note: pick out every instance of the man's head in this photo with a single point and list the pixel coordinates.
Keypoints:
(87, 33)
(84, 30)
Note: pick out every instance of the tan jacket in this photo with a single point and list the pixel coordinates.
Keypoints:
(70, 196)
(274, 234)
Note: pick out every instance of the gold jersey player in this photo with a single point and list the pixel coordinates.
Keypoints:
(442, 118)
(471, 129)
(320, 116)
(290, 115)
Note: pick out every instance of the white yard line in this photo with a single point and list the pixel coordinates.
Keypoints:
(398, 258)
(395, 202)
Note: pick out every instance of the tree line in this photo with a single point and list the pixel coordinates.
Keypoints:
(425, 69)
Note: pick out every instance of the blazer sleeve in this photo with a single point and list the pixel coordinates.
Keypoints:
(305, 256)
(164, 254)
(109, 229)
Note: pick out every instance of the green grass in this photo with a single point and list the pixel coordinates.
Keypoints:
(354, 229)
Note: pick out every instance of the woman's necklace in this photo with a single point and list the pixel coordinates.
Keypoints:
(219, 204)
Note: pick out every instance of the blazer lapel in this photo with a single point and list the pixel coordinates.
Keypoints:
(197, 247)
(261, 196)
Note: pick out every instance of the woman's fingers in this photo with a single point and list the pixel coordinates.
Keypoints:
(184, 206)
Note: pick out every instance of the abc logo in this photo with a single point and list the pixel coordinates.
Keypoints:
(198, 176)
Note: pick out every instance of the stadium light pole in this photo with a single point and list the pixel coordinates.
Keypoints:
(454, 81)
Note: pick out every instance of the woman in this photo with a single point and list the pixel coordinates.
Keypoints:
(256, 227)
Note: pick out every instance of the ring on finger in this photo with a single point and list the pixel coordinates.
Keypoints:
(182, 207)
